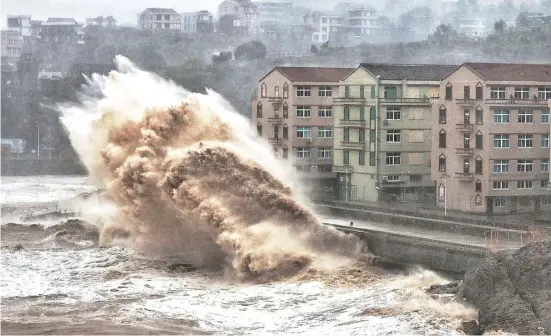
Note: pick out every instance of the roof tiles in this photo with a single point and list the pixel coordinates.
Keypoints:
(512, 72)
(315, 74)
(420, 72)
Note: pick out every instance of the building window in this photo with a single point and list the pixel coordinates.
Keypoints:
(304, 132)
(259, 129)
(545, 141)
(478, 186)
(524, 184)
(546, 200)
(393, 136)
(501, 185)
(501, 116)
(259, 110)
(393, 113)
(545, 116)
(346, 113)
(325, 132)
(346, 134)
(285, 110)
(285, 152)
(525, 141)
(372, 113)
(479, 116)
(525, 116)
(276, 91)
(499, 201)
(501, 140)
(361, 135)
(285, 132)
(304, 112)
(544, 165)
(346, 156)
(303, 153)
(544, 93)
(478, 200)
(285, 90)
(501, 166)
(393, 178)
(442, 163)
(478, 166)
(304, 91)
(442, 115)
(522, 93)
(361, 158)
(263, 90)
(479, 92)
(372, 159)
(391, 92)
(479, 140)
(525, 166)
(415, 178)
(325, 168)
(325, 91)
(442, 139)
(449, 95)
(497, 92)
(393, 159)
(325, 111)
(325, 153)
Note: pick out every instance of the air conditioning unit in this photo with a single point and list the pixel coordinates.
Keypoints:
(385, 122)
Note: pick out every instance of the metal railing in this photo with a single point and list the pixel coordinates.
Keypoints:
(465, 101)
(464, 151)
(464, 127)
(464, 176)
(406, 101)
(349, 100)
(513, 101)
(350, 122)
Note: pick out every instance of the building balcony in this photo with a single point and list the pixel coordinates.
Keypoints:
(275, 100)
(275, 120)
(465, 128)
(349, 122)
(343, 169)
(275, 141)
(348, 101)
(352, 145)
(513, 102)
(425, 101)
(465, 102)
(387, 182)
(464, 151)
(467, 177)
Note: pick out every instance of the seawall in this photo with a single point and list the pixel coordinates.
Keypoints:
(26, 166)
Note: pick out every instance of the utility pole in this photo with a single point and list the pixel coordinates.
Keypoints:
(38, 138)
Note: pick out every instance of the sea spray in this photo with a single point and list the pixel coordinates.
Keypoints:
(189, 178)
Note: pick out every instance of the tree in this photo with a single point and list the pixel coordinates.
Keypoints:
(499, 27)
(313, 49)
(444, 32)
(250, 50)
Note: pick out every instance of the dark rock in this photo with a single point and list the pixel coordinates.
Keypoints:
(450, 288)
(182, 267)
(512, 290)
(470, 328)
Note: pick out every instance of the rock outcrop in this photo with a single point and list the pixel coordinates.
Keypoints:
(512, 290)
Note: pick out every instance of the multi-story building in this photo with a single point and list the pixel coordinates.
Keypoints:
(159, 19)
(279, 12)
(245, 10)
(382, 131)
(197, 22)
(101, 21)
(293, 111)
(473, 27)
(12, 45)
(21, 23)
(362, 21)
(326, 26)
(61, 30)
(490, 138)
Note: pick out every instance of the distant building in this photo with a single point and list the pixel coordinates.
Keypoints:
(473, 27)
(159, 19)
(532, 20)
(279, 12)
(245, 10)
(362, 21)
(101, 21)
(21, 23)
(197, 22)
(12, 44)
(61, 30)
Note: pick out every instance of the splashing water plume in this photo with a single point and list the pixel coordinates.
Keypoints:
(188, 178)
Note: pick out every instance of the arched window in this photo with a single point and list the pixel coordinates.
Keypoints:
(346, 113)
(442, 139)
(285, 110)
(285, 152)
(441, 193)
(285, 90)
(479, 92)
(479, 116)
(285, 132)
(442, 163)
(478, 199)
(263, 90)
(259, 110)
(478, 165)
(449, 94)
(479, 139)
(372, 113)
(259, 129)
(442, 115)
(478, 186)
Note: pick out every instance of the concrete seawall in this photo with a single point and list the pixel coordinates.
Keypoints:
(41, 166)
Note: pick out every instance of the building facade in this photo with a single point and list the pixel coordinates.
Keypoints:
(473, 27)
(101, 21)
(382, 131)
(293, 111)
(197, 22)
(362, 21)
(21, 23)
(490, 138)
(58, 30)
(245, 10)
(12, 45)
(159, 19)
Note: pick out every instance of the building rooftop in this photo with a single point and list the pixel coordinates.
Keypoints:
(420, 72)
(314, 74)
(161, 10)
(512, 72)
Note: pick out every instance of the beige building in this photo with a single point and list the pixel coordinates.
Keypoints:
(294, 112)
(383, 131)
(245, 10)
(490, 138)
(159, 19)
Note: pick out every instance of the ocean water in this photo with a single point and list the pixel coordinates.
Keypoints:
(58, 281)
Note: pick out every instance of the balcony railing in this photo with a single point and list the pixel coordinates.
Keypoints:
(405, 101)
(343, 169)
(350, 122)
(524, 102)
(349, 100)
(464, 127)
(464, 151)
(467, 102)
(275, 100)
(387, 181)
(275, 120)
(464, 176)
(275, 140)
(348, 144)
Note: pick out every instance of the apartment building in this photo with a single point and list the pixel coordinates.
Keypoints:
(245, 10)
(382, 131)
(20, 23)
(12, 45)
(362, 21)
(490, 138)
(197, 22)
(159, 19)
(293, 111)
